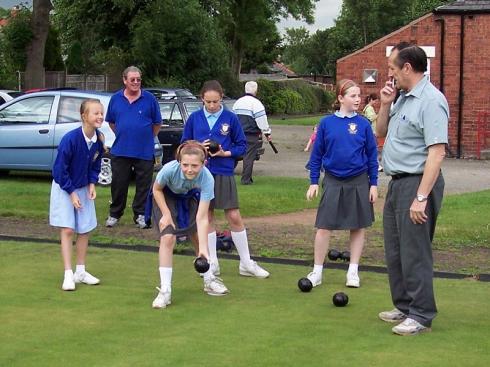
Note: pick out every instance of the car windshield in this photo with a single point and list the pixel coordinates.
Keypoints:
(192, 106)
(184, 93)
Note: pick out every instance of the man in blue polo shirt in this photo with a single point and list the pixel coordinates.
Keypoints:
(134, 116)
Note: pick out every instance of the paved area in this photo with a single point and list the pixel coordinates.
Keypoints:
(461, 175)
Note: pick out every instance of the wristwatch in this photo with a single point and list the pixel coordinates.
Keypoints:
(421, 198)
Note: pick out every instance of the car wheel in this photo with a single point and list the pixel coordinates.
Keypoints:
(105, 175)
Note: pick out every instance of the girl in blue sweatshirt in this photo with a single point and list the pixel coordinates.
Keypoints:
(214, 124)
(345, 148)
(72, 203)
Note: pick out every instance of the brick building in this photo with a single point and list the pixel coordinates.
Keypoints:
(456, 39)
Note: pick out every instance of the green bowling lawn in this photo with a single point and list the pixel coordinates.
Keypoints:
(260, 323)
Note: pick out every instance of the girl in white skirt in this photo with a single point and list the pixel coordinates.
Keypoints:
(345, 148)
(72, 203)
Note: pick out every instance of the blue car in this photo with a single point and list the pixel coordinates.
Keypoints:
(32, 125)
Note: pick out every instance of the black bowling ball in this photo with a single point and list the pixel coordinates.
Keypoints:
(201, 265)
(340, 299)
(305, 285)
(334, 255)
(213, 147)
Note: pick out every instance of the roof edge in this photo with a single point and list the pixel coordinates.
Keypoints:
(379, 40)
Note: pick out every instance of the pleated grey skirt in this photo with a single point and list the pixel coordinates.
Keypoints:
(225, 193)
(172, 206)
(345, 203)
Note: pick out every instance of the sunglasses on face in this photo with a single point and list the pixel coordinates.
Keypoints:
(134, 80)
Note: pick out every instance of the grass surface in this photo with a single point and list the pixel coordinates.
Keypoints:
(464, 219)
(260, 323)
(298, 121)
(28, 197)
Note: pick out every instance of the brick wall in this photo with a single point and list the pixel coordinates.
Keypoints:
(426, 31)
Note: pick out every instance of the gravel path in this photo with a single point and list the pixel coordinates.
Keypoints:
(461, 175)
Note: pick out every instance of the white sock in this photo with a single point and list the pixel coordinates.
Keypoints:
(318, 268)
(80, 269)
(208, 275)
(241, 244)
(165, 279)
(69, 273)
(353, 268)
(213, 257)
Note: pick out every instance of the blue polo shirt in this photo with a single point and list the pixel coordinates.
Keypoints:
(171, 176)
(212, 117)
(134, 125)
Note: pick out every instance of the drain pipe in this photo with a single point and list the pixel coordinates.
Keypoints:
(442, 44)
(461, 86)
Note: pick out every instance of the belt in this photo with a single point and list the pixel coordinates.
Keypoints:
(403, 175)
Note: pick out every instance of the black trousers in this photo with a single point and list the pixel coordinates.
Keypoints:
(408, 248)
(253, 145)
(123, 169)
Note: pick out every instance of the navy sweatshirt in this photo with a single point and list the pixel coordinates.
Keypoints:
(227, 131)
(76, 166)
(345, 147)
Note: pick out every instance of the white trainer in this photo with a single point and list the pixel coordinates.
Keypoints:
(315, 278)
(215, 287)
(394, 315)
(252, 269)
(68, 284)
(410, 327)
(353, 280)
(162, 300)
(141, 222)
(86, 278)
(111, 221)
(214, 266)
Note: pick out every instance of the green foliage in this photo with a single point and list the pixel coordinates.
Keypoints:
(359, 23)
(74, 62)
(292, 97)
(52, 52)
(16, 36)
(193, 50)
(4, 12)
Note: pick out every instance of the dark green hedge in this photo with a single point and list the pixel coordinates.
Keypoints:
(293, 97)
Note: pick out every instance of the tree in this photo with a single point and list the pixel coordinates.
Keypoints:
(13, 41)
(52, 52)
(246, 23)
(34, 77)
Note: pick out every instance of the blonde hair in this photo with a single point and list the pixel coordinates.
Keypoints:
(341, 90)
(191, 147)
(86, 103)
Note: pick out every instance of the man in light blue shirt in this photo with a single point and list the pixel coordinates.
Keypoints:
(416, 129)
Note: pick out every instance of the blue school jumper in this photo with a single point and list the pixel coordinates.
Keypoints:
(227, 131)
(76, 165)
(134, 125)
(345, 147)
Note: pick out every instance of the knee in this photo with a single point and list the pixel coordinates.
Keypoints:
(69, 232)
(167, 242)
(234, 217)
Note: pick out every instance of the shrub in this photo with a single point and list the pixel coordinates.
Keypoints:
(293, 97)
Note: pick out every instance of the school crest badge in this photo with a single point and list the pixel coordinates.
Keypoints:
(352, 128)
(225, 129)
